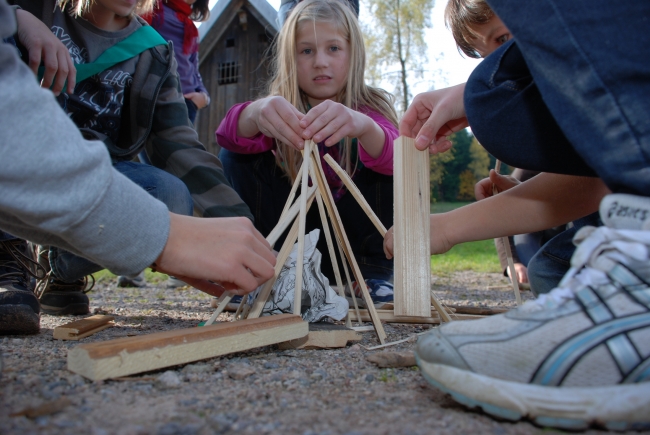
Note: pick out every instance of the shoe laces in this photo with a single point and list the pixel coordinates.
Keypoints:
(50, 283)
(20, 265)
(593, 246)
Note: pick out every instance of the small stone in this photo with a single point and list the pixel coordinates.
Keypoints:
(197, 368)
(240, 371)
(169, 379)
(355, 348)
(369, 378)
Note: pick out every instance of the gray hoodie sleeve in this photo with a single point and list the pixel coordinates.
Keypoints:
(57, 188)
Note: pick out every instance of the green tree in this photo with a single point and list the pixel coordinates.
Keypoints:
(480, 160)
(453, 168)
(395, 37)
(437, 173)
(466, 182)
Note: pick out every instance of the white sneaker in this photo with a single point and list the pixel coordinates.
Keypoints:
(576, 357)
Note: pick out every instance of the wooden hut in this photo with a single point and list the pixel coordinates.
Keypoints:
(233, 52)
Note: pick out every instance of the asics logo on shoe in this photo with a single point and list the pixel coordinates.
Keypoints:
(619, 210)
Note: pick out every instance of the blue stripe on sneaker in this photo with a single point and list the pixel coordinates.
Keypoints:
(559, 362)
(639, 374)
(624, 353)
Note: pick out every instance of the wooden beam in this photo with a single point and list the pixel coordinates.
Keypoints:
(302, 219)
(411, 229)
(131, 355)
(83, 328)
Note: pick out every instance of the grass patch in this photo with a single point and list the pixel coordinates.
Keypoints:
(150, 276)
(478, 256)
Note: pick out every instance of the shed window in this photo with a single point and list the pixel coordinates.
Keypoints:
(230, 42)
(228, 73)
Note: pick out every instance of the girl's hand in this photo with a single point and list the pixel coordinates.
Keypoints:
(331, 122)
(200, 99)
(42, 45)
(273, 117)
(432, 116)
(483, 189)
(521, 271)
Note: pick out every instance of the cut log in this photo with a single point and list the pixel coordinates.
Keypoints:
(323, 336)
(83, 328)
(127, 356)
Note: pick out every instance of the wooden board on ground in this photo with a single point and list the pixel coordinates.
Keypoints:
(83, 328)
(127, 356)
(389, 317)
(411, 229)
(323, 336)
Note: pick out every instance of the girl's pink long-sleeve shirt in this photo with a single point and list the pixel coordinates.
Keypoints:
(227, 138)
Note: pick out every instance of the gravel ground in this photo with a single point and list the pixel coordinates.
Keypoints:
(262, 391)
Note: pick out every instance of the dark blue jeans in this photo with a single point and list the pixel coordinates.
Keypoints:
(160, 184)
(265, 189)
(551, 262)
(571, 94)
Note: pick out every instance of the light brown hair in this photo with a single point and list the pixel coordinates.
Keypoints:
(460, 15)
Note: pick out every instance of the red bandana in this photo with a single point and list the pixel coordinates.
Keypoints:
(183, 11)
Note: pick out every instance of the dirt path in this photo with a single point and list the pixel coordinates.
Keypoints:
(263, 391)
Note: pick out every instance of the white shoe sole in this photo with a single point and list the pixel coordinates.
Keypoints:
(616, 407)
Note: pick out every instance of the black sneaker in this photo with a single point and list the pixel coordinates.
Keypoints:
(60, 298)
(19, 307)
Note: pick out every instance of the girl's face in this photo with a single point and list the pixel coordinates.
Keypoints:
(489, 36)
(323, 57)
(111, 15)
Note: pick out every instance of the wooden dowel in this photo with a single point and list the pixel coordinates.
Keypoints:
(345, 244)
(352, 188)
(506, 245)
(302, 218)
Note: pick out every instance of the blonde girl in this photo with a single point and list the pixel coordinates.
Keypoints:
(317, 92)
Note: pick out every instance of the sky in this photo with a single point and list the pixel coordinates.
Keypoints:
(445, 64)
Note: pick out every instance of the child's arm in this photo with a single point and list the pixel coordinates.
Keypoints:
(544, 201)
(228, 137)
(273, 117)
(43, 45)
(432, 116)
(331, 122)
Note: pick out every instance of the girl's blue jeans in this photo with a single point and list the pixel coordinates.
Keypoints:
(265, 189)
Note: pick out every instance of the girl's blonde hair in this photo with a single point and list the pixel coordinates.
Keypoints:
(284, 80)
(80, 7)
(460, 15)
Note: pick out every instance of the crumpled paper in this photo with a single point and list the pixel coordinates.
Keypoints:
(319, 300)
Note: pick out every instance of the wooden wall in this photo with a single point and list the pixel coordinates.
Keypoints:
(234, 71)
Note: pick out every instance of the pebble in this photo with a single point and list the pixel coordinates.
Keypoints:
(240, 371)
(169, 379)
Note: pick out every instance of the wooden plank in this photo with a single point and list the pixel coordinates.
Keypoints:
(323, 336)
(83, 328)
(352, 188)
(127, 356)
(389, 317)
(411, 229)
(345, 244)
